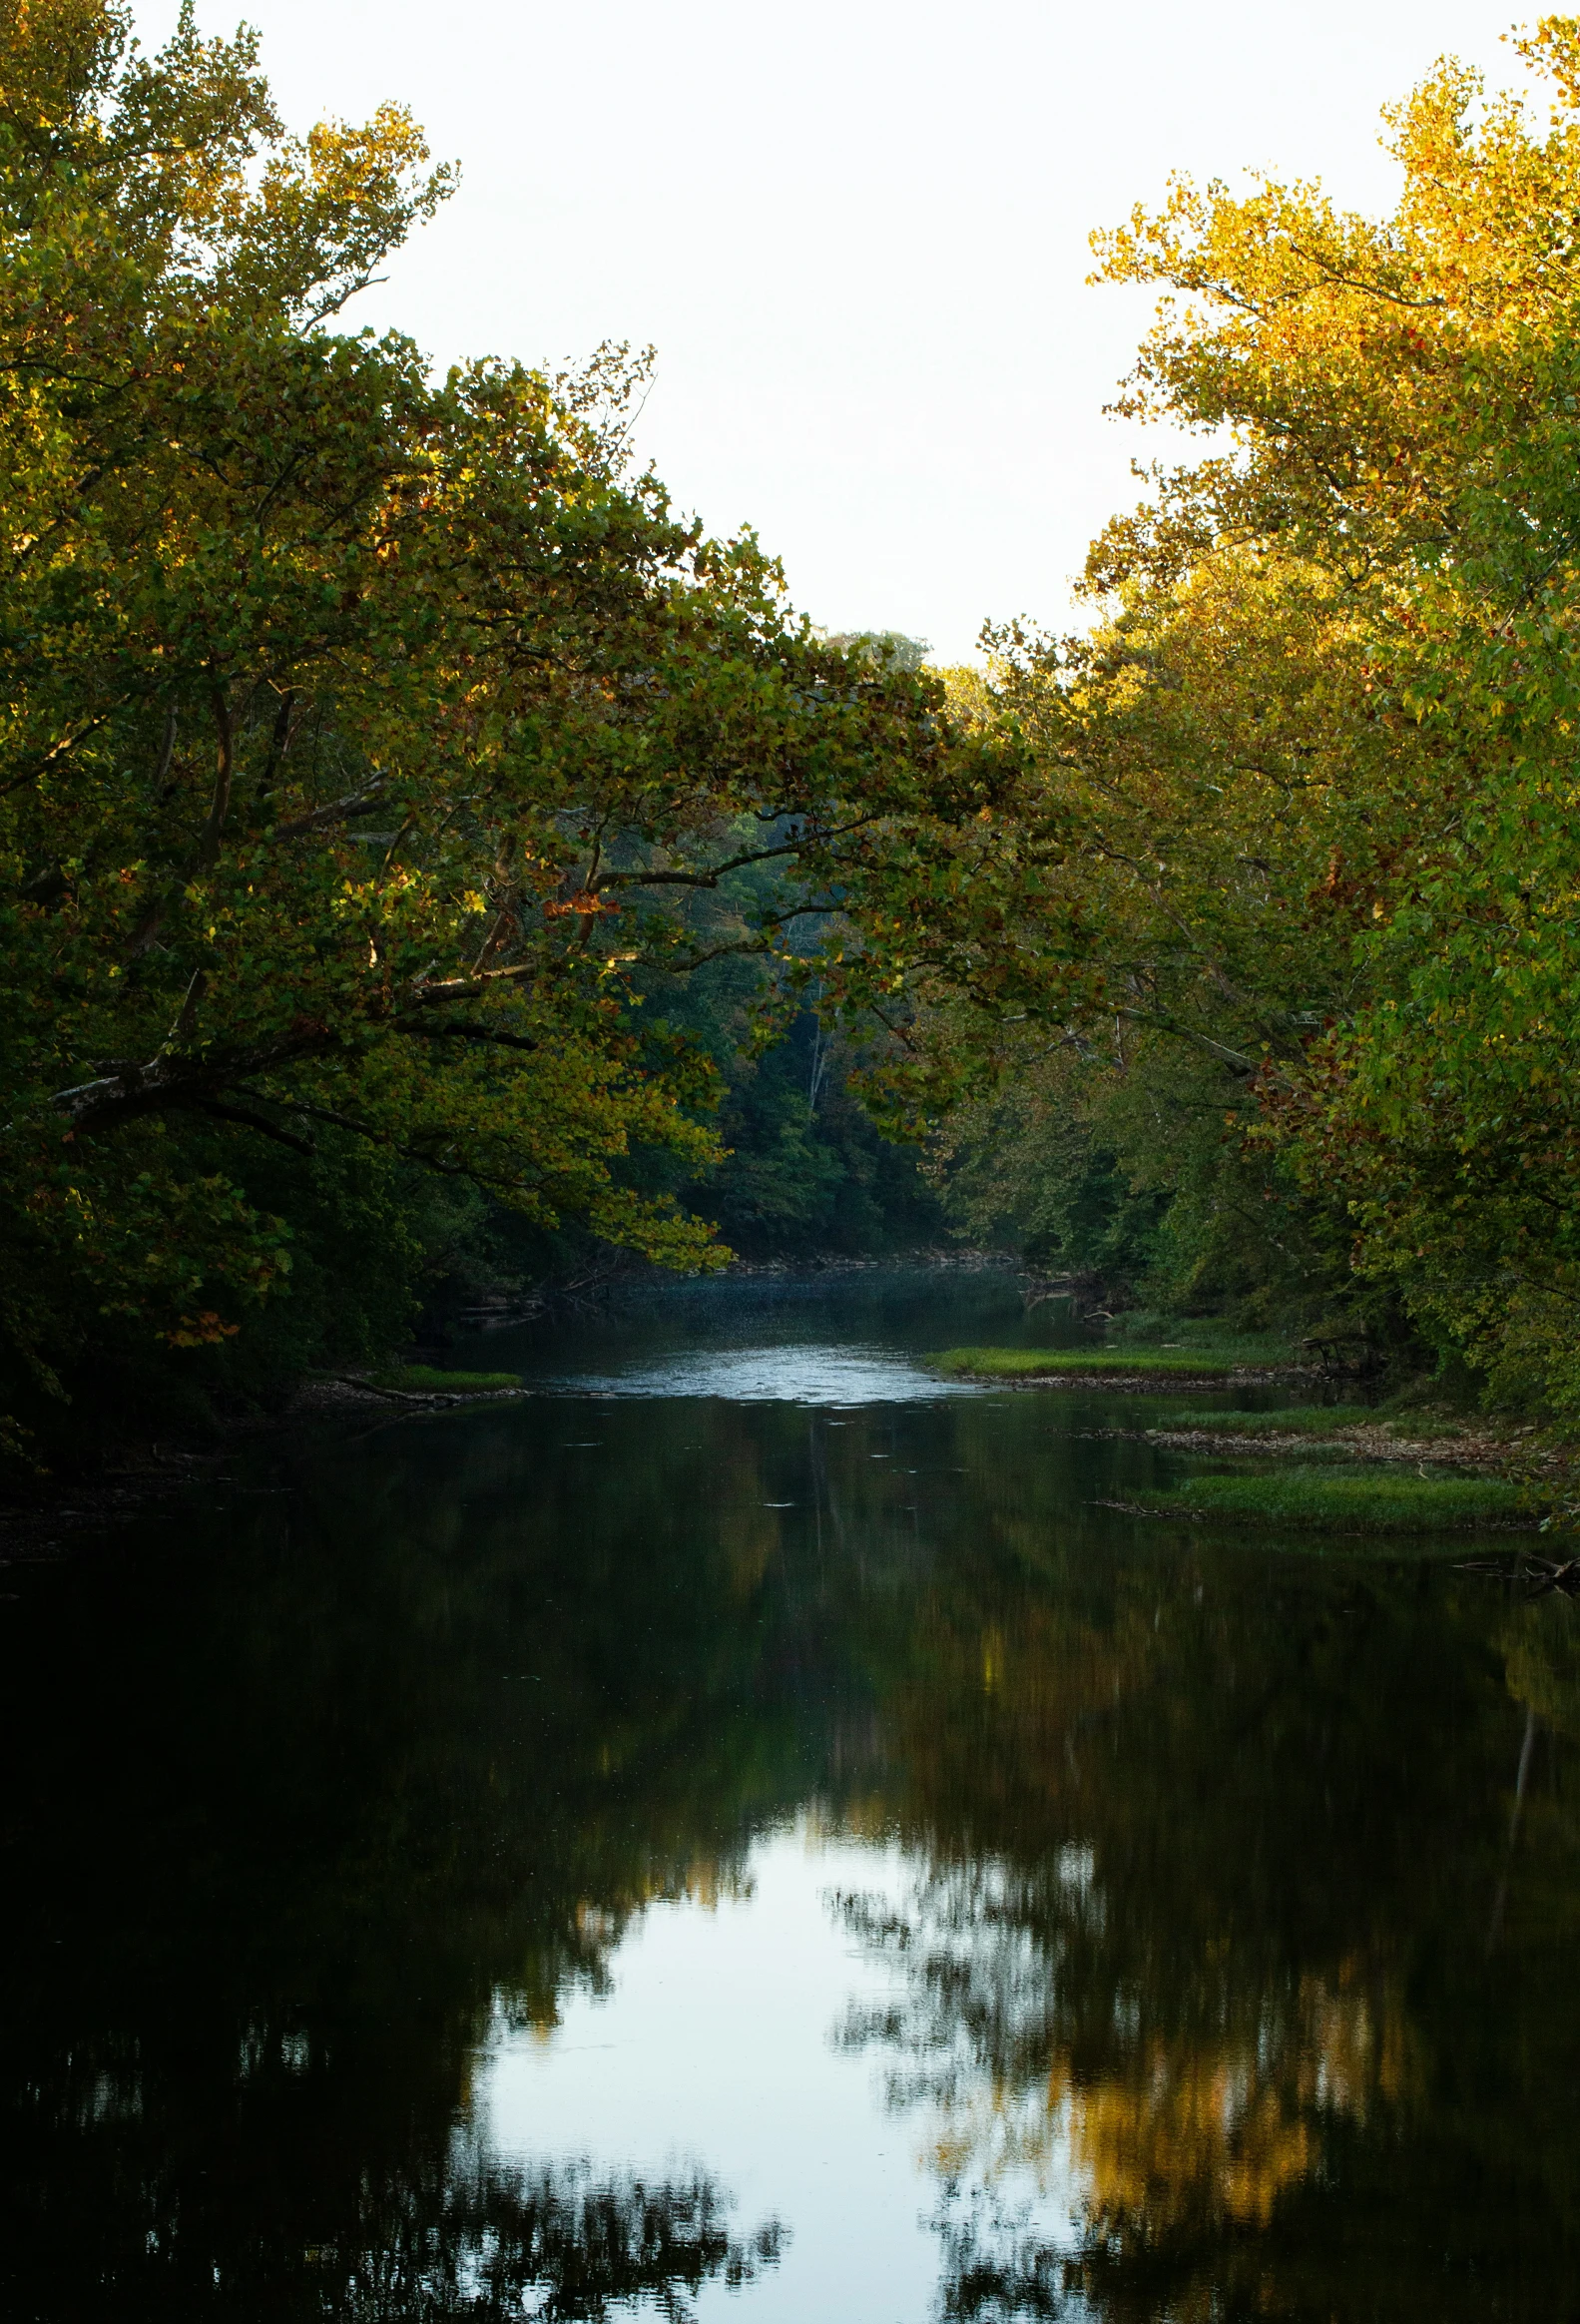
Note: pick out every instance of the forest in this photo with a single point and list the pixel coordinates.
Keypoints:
(430, 861)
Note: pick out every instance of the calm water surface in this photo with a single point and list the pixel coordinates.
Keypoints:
(747, 1834)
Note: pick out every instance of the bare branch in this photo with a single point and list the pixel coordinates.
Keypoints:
(187, 1017)
(425, 995)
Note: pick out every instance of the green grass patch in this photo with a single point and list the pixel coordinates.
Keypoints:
(1296, 1421)
(1323, 1420)
(1034, 1363)
(1371, 1501)
(429, 1380)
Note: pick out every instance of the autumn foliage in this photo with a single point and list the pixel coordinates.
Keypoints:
(1311, 771)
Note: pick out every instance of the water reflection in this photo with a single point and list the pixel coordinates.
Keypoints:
(670, 1855)
(810, 1375)
(556, 2244)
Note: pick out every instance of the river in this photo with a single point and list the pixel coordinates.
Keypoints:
(745, 1833)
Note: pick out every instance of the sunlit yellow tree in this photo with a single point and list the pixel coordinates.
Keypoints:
(1315, 770)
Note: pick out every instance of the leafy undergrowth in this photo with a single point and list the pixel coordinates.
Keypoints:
(428, 1380)
(1379, 1500)
(1141, 1333)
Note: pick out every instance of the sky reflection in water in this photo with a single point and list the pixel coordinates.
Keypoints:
(819, 1376)
(752, 1851)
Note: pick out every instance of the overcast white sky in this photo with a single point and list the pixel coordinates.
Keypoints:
(856, 231)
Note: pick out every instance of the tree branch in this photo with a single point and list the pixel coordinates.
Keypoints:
(245, 1120)
(61, 750)
(376, 1137)
(337, 810)
(461, 987)
(278, 743)
(186, 1016)
(209, 838)
(122, 1090)
(712, 876)
(466, 1033)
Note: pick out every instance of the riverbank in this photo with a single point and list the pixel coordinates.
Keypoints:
(1315, 1464)
(1141, 1352)
(1120, 1372)
(63, 1507)
(1345, 1501)
(1359, 1432)
(118, 1466)
(1404, 1467)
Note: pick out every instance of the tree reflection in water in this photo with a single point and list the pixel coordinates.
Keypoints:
(555, 2244)
(347, 1786)
(1179, 2137)
(1222, 1988)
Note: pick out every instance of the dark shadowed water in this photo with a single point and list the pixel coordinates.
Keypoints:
(743, 1834)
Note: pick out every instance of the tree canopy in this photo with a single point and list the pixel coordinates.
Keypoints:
(373, 742)
(398, 794)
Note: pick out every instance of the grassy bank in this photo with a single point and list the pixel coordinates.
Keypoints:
(430, 1380)
(1371, 1499)
(1138, 1347)
(1313, 1421)
(1126, 1364)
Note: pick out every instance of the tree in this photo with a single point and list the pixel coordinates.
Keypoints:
(1315, 764)
(367, 736)
(1178, 883)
